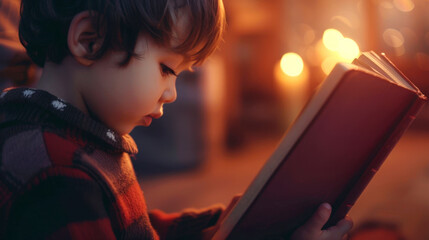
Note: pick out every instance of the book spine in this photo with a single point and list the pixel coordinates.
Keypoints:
(397, 131)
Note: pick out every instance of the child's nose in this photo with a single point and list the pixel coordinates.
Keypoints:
(170, 94)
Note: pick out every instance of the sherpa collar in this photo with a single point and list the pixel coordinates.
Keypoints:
(36, 106)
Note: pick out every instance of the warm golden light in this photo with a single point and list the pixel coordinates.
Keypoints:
(336, 48)
(404, 5)
(307, 33)
(321, 51)
(332, 38)
(292, 64)
(393, 38)
(329, 63)
(348, 49)
(292, 91)
(343, 20)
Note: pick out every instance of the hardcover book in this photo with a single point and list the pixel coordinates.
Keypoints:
(331, 151)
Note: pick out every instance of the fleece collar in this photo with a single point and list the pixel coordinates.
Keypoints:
(40, 107)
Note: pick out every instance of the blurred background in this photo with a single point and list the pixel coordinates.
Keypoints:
(232, 111)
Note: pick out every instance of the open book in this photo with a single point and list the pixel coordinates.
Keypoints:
(331, 151)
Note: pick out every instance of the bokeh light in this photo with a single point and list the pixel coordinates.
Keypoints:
(348, 49)
(393, 38)
(342, 20)
(292, 64)
(336, 48)
(321, 51)
(332, 38)
(329, 63)
(404, 5)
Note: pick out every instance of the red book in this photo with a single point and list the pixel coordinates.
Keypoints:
(331, 151)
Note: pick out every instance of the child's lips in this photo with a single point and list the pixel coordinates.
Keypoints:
(156, 116)
(147, 120)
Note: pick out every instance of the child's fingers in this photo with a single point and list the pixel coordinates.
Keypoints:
(225, 212)
(319, 218)
(208, 233)
(234, 201)
(341, 228)
(230, 206)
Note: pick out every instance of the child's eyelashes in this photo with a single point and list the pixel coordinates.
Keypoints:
(166, 71)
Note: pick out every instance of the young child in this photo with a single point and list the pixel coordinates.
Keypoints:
(108, 66)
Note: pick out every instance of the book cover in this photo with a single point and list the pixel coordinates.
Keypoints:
(331, 151)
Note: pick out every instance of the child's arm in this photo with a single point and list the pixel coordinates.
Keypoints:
(189, 224)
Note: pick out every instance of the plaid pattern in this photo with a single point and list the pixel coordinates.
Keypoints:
(65, 176)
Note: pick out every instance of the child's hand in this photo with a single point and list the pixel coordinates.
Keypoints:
(209, 232)
(312, 229)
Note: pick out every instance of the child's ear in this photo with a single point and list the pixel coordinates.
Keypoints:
(83, 39)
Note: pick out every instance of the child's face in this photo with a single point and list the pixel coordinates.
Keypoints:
(130, 96)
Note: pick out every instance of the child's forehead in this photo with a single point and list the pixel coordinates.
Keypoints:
(184, 60)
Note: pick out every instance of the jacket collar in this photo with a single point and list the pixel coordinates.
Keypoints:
(38, 106)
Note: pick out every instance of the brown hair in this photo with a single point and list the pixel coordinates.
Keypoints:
(44, 26)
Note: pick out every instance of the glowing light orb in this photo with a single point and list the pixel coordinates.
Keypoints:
(292, 64)
(404, 5)
(329, 63)
(332, 38)
(348, 49)
(393, 37)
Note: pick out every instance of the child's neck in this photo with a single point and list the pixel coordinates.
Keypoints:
(62, 80)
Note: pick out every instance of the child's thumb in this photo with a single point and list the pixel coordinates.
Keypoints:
(341, 228)
(319, 218)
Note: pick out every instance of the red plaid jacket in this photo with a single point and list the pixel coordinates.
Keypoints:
(64, 175)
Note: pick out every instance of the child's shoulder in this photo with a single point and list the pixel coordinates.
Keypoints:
(37, 136)
(31, 150)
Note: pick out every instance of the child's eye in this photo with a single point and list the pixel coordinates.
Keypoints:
(166, 71)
